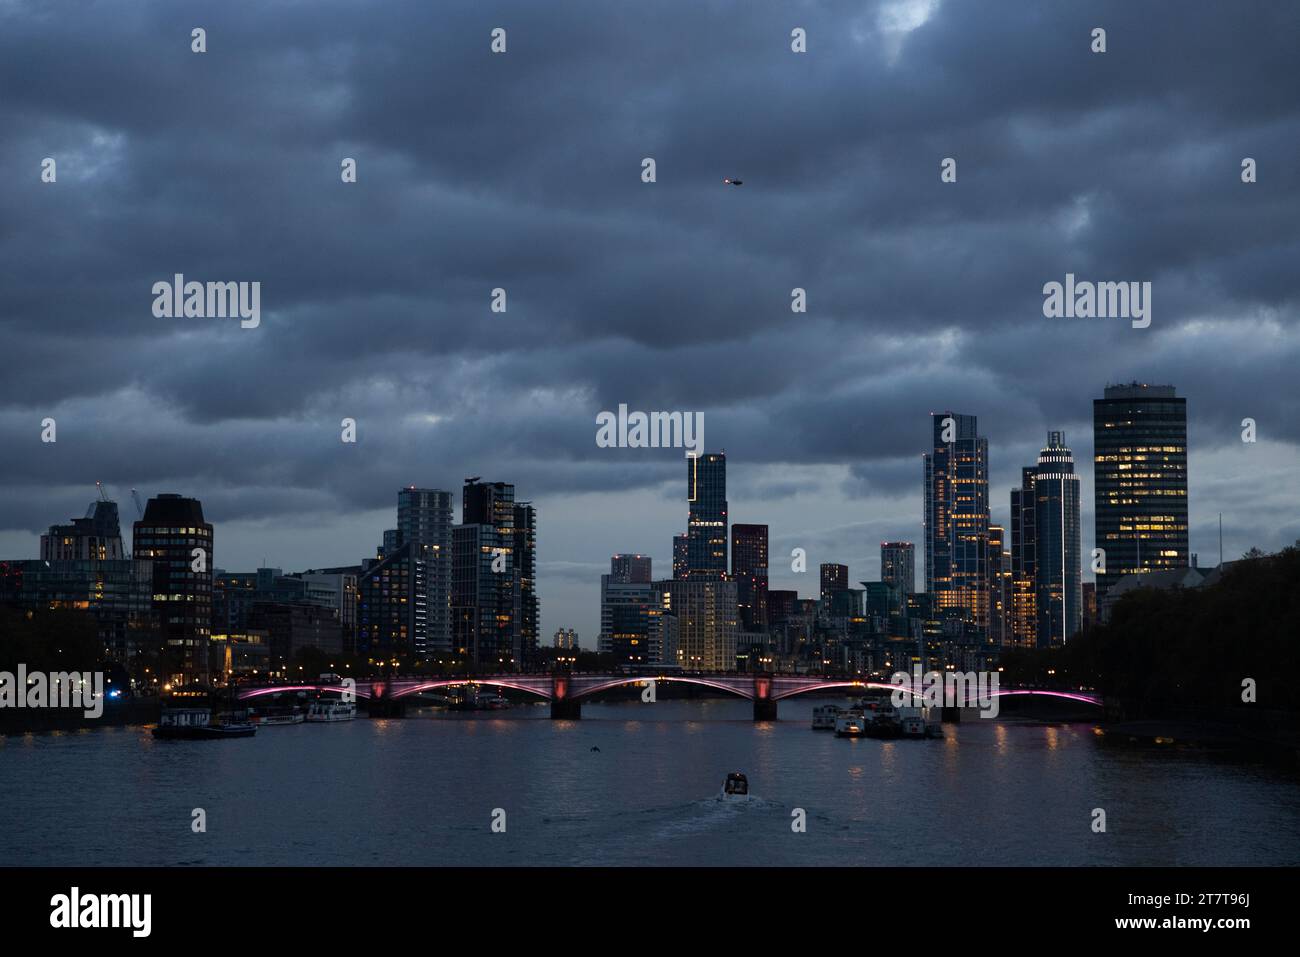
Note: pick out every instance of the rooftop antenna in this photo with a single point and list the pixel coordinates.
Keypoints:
(1220, 539)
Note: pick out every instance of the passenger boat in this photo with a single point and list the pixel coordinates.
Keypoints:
(736, 785)
(331, 709)
(824, 716)
(851, 724)
(913, 727)
(884, 721)
(887, 727)
(919, 723)
(195, 724)
(282, 717)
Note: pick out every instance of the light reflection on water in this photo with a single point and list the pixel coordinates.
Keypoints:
(421, 790)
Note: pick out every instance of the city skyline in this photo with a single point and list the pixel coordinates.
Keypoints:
(440, 437)
(587, 623)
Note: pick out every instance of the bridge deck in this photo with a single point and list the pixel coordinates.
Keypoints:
(579, 686)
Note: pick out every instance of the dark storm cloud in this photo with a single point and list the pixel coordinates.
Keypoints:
(522, 171)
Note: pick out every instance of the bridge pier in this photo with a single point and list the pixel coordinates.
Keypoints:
(563, 707)
(764, 704)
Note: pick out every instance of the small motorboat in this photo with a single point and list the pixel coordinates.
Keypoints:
(736, 785)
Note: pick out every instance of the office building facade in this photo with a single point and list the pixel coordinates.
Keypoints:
(898, 565)
(173, 535)
(1000, 589)
(834, 578)
(631, 569)
(392, 618)
(956, 518)
(627, 595)
(97, 537)
(1058, 593)
(1139, 481)
(424, 520)
(486, 588)
(706, 621)
(1024, 553)
(706, 530)
(525, 554)
(749, 570)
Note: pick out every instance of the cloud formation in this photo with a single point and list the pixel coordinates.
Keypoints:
(522, 171)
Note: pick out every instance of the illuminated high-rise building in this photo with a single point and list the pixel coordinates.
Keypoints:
(173, 535)
(1024, 551)
(1000, 589)
(1139, 481)
(898, 566)
(392, 597)
(681, 560)
(704, 609)
(834, 579)
(95, 538)
(749, 569)
(631, 569)
(1058, 593)
(957, 518)
(627, 599)
(424, 521)
(706, 530)
(526, 567)
(486, 586)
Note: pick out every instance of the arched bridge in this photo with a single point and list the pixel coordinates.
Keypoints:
(566, 691)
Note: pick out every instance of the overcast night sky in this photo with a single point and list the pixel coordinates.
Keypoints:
(523, 171)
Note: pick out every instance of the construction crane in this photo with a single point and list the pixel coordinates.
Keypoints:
(90, 510)
(139, 508)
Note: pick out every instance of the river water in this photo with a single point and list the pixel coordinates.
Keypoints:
(426, 789)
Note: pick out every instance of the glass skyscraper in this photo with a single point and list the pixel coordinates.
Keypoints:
(525, 555)
(1024, 552)
(957, 518)
(749, 569)
(1140, 480)
(171, 534)
(706, 530)
(486, 585)
(1058, 593)
(424, 522)
(628, 600)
